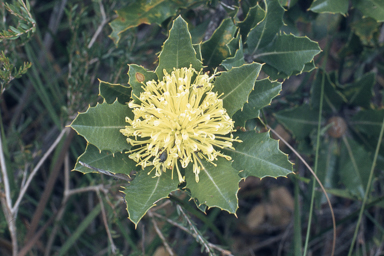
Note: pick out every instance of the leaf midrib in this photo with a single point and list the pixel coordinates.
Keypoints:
(254, 157)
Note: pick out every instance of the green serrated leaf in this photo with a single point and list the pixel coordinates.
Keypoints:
(330, 6)
(310, 66)
(266, 31)
(273, 73)
(217, 186)
(366, 29)
(325, 24)
(138, 76)
(144, 12)
(145, 190)
(354, 167)
(100, 126)
(198, 32)
(111, 92)
(288, 3)
(177, 50)
(262, 95)
(371, 8)
(231, 10)
(117, 163)
(333, 99)
(236, 84)
(258, 155)
(237, 60)
(368, 122)
(289, 53)
(254, 16)
(300, 121)
(233, 45)
(360, 92)
(197, 48)
(215, 50)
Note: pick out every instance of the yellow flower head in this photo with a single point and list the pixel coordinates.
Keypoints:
(178, 119)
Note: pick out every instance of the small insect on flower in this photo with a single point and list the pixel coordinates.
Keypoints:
(163, 156)
(179, 120)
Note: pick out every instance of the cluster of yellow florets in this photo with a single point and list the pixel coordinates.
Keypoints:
(178, 119)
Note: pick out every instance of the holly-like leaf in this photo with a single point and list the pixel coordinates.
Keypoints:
(197, 48)
(217, 186)
(366, 29)
(300, 121)
(215, 50)
(354, 167)
(262, 95)
(198, 32)
(289, 53)
(145, 190)
(144, 12)
(258, 155)
(254, 16)
(368, 122)
(325, 24)
(331, 6)
(118, 163)
(332, 100)
(101, 126)
(177, 50)
(371, 8)
(266, 31)
(111, 92)
(233, 45)
(360, 92)
(236, 84)
(237, 60)
(231, 10)
(138, 76)
(275, 74)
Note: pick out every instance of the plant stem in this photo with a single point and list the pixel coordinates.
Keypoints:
(367, 189)
(315, 167)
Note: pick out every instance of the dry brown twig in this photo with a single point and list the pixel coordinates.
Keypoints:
(318, 181)
(158, 231)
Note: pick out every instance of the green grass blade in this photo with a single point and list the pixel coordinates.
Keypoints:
(315, 167)
(367, 189)
(83, 225)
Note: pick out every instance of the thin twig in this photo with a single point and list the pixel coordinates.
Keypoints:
(11, 225)
(113, 247)
(216, 247)
(5, 177)
(87, 189)
(158, 231)
(33, 173)
(61, 211)
(103, 22)
(320, 184)
(193, 229)
(28, 246)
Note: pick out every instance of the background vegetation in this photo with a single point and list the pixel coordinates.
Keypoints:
(51, 59)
